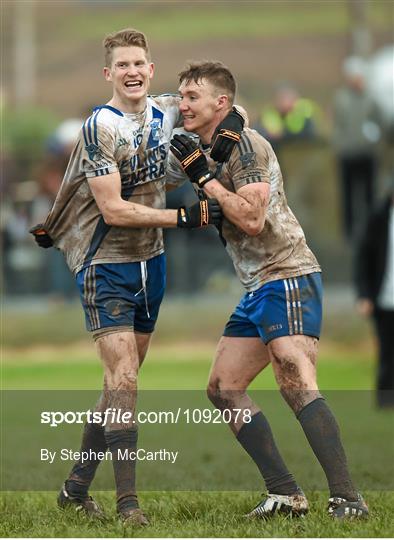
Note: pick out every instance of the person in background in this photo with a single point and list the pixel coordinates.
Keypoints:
(374, 280)
(289, 118)
(355, 136)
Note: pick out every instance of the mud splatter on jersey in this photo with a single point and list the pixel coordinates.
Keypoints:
(135, 145)
(280, 251)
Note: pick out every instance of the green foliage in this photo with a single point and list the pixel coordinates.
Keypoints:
(24, 133)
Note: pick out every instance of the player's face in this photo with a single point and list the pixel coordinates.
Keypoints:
(200, 105)
(130, 74)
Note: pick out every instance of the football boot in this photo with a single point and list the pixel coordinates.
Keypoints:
(84, 505)
(340, 508)
(292, 505)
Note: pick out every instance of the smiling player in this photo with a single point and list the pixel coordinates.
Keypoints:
(278, 319)
(107, 220)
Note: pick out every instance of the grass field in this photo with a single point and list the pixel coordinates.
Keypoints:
(185, 365)
(188, 515)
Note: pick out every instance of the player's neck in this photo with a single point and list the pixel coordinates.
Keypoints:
(206, 132)
(128, 106)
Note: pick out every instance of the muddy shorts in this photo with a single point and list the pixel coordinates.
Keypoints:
(122, 295)
(284, 307)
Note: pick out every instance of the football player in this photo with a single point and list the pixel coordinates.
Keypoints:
(107, 220)
(278, 319)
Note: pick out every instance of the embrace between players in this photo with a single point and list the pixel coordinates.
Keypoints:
(107, 220)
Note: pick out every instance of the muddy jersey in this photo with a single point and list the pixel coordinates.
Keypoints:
(280, 250)
(136, 146)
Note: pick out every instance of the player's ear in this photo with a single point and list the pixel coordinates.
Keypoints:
(107, 74)
(151, 70)
(222, 101)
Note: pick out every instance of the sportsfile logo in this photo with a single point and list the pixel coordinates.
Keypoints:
(116, 416)
(109, 416)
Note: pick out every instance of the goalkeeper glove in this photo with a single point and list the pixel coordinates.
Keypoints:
(226, 136)
(192, 159)
(41, 236)
(202, 213)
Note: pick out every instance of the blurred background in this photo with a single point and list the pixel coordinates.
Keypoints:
(299, 64)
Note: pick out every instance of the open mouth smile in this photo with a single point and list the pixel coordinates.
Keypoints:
(133, 84)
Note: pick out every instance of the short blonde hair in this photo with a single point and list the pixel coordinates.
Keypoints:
(124, 38)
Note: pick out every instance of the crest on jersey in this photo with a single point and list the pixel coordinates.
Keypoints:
(95, 153)
(248, 160)
(156, 130)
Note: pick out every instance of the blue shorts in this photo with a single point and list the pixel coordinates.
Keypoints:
(114, 297)
(279, 308)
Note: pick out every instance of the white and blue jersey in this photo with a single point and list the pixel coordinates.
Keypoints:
(135, 145)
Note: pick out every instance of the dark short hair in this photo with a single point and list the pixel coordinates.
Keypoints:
(124, 38)
(215, 72)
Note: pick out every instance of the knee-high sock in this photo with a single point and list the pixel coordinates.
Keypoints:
(322, 432)
(82, 473)
(123, 441)
(257, 439)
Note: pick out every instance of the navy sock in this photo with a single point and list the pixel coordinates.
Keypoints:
(82, 474)
(125, 441)
(322, 432)
(257, 439)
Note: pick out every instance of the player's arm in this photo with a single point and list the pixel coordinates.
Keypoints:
(246, 208)
(117, 212)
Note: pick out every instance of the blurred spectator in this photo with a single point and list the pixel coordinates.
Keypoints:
(357, 130)
(289, 118)
(19, 262)
(381, 86)
(374, 276)
(62, 141)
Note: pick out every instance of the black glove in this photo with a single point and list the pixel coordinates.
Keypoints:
(41, 236)
(202, 213)
(226, 136)
(193, 161)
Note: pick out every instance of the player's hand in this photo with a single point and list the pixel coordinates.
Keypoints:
(202, 213)
(41, 236)
(192, 159)
(226, 136)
